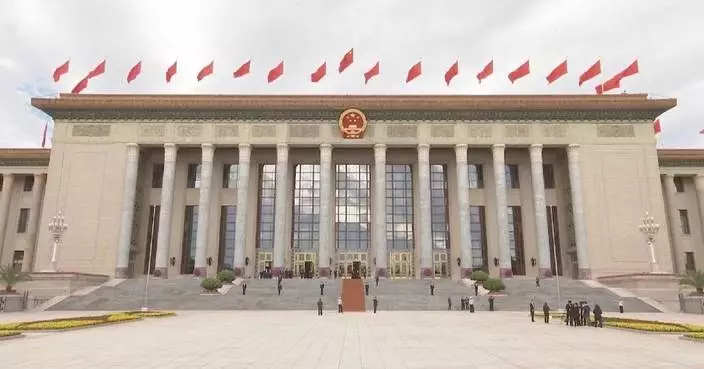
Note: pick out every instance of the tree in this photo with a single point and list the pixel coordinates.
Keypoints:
(11, 276)
(694, 278)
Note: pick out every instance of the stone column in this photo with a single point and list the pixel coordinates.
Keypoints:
(670, 192)
(129, 192)
(580, 228)
(505, 270)
(33, 226)
(5, 199)
(326, 200)
(424, 220)
(163, 241)
(280, 211)
(541, 216)
(245, 152)
(699, 185)
(465, 239)
(380, 210)
(206, 176)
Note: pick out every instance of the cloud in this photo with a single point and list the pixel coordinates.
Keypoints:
(40, 35)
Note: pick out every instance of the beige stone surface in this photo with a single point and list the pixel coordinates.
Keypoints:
(275, 340)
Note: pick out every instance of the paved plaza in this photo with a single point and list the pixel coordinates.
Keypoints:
(219, 339)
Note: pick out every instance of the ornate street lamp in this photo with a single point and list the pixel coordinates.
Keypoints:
(57, 227)
(650, 229)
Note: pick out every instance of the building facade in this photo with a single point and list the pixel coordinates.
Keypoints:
(395, 186)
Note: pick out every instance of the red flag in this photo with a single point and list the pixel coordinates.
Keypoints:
(60, 71)
(346, 61)
(599, 89)
(590, 73)
(630, 70)
(611, 84)
(371, 73)
(318, 74)
(558, 72)
(452, 72)
(206, 71)
(134, 72)
(275, 73)
(520, 72)
(100, 69)
(656, 126)
(171, 72)
(44, 135)
(242, 70)
(414, 72)
(80, 86)
(486, 72)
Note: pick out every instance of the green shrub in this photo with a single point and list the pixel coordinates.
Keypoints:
(494, 285)
(479, 275)
(226, 276)
(211, 284)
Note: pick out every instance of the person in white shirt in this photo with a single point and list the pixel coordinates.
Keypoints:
(339, 304)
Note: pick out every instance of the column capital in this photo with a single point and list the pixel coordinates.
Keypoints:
(281, 145)
(461, 153)
(573, 146)
(325, 146)
(669, 175)
(498, 146)
(132, 145)
(281, 151)
(424, 146)
(207, 151)
(207, 145)
(536, 146)
(170, 150)
(244, 146)
(379, 147)
(461, 147)
(39, 175)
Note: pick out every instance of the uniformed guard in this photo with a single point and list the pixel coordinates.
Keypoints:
(375, 303)
(491, 303)
(278, 288)
(432, 289)
(244, 287)
(546, 312)
(532, 312)
(320, 306)
(322, 288)
(568, 312)
(449, 303)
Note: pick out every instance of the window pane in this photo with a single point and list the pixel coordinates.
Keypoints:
(351, 205)
(267, 199)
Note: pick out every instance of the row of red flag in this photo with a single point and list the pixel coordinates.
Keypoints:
(414, 72)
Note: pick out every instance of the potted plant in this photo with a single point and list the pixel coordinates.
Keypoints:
(10, 276)
(493, 285)
(226, 276)
(211, 284)
(694, 278)
(479, 276)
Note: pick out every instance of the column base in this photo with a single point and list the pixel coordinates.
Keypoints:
(200, 272)
(324, 272)
(585, 274)
(161, 272)
(122, 273)
(239, 272)
(427, 272)
(545, 272)
(277, 271)
(505, 273)
(466, 273)
(381, 273)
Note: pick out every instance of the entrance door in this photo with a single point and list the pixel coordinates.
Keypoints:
(401, 265)
(264, 261)
(440, 265)
(352, 265)
(356, 269)
(304, 264)
(308, 272)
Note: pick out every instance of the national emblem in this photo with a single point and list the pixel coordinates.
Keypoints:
(353, 123)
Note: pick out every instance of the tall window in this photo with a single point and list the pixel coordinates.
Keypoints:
(23, 220)
(188, 248)
(476, 176)
(193, 179)
(226, 251)
(554, 240)
(399, 206)
(28, 183)
(157, 175)
(352, 194)
(306, 208)
(515, 240)
(512, 176)
(689, 264)
(230, 173)
(267, 199)
(438, 205)
(152, 235)
(684, 221)
(549, 175)
(477, 229)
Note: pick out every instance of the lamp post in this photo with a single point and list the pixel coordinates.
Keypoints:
(650, 229)
(57, 227)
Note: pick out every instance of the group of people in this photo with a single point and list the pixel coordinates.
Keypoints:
(466, 303)
(578, 314)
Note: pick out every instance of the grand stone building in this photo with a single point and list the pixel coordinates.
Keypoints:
(395, 186)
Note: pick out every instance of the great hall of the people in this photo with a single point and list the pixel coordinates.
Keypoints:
(319, 186)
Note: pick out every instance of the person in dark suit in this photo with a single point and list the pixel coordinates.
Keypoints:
(586, 318)
(531, 307)
(491, 303)
(598, 317)
(320, 306)
(476, 288)
(568, 313)
(375, 304)
(244, 287)
(322, 288)
(376, 279)
(278, 289)
(366, 288)
(449, 303)
(546, 312)
(432, 289)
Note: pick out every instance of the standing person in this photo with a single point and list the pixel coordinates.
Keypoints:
(546, 312)
(532, 311)
(476, 288)
(463, 301)
(568, 312)
(432, 289)
(449, 303)
(620, 306)
(366, 288)
(491, 303)
(376, 279)
(537, 281)
(244, 287)
(322, 288)
(320, 306)
(598, 318)
(278, 288)
(339, 305)
(586, 315)
(470, 302)
(375, 303)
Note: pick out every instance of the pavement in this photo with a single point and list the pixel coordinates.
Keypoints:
(301, 339)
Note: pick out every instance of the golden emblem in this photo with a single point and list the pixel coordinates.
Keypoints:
(353, 123)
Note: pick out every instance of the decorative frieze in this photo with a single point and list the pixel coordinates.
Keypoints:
(442, 131)
(516, 130)
(402, 130)
(554, 130)
(189, 130)
(152, 130)
(479, 130)
(264, 130)
(303, 130)
(90, 130)
(615, 130)
(227, 130)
